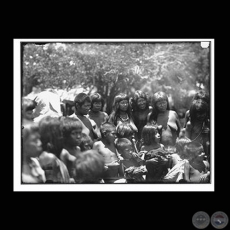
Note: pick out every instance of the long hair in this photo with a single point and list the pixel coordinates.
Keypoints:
(51, 135)
(139, 94)
(148, 134)
(158, 96)
(116, 108)
(198, 107)
(96, 97)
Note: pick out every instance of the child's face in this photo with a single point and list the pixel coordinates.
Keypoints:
(141, 103)
(97, 106)
(32, 146)
(127, 152)
(111, 135)
(123, 105)
(161, 105)
(75, 137)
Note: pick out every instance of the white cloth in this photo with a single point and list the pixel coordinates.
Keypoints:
(48, 104)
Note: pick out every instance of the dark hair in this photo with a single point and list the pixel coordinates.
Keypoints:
(124, 130)
(89, 167)
(158, 96)
(121, 143)
(80, 99)
(139, 94)
(68, 124)
(118, 98)
(51, 135)
(148, 134)
(96, 97)
(85, 139)
(198, 107)
(28, 104)
(105, 127)
(202, 94)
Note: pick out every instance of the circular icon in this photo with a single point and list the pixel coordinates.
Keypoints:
(201, 220)
(219, 220)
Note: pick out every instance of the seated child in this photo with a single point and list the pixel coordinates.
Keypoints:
(52, 144)
(177, 161)
(132, 165)
(89, 167)
(86, 142)
(125, 130)
(196, 168)
(72, 133)
(156, 157)
(31, 149)
(106, 148)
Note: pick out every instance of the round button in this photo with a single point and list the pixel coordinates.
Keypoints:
(219, 220)
(201, 220)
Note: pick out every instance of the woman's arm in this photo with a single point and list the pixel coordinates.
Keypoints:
(186, 171)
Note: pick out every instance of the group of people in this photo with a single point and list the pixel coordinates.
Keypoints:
(141, 141)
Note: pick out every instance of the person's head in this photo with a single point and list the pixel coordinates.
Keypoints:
(51, 135)
(150, 134)
(203, 95)
(71, 130)
(181, 141)
(86, 142)
(198, 111)
(48, 104)
(82, 103)
(194, 150)
(124, 130)
(32, 145)
(125, 147)
(140, 101)
(28, 106)
(97, 102)
(108, 131)
(89, 167)
(160, 101)
(121, 102)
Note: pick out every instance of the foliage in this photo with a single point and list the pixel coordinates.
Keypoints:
(110, 68)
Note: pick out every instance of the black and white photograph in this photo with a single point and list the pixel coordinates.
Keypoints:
(113, 115)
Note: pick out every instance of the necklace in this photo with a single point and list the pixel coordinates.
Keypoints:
(124, 117)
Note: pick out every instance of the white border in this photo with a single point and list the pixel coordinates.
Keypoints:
(99, 187)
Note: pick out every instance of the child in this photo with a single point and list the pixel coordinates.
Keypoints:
(52, 144)
(106, 148)
(89, 167)
(72, 133)
(96, 113)
(198, 127)
(86, 142)
(31, 149)
(122, 111)
(82, 104)
(168, 119)
(177, 161)
(157, 159)
(196, 168)
(131, 164)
